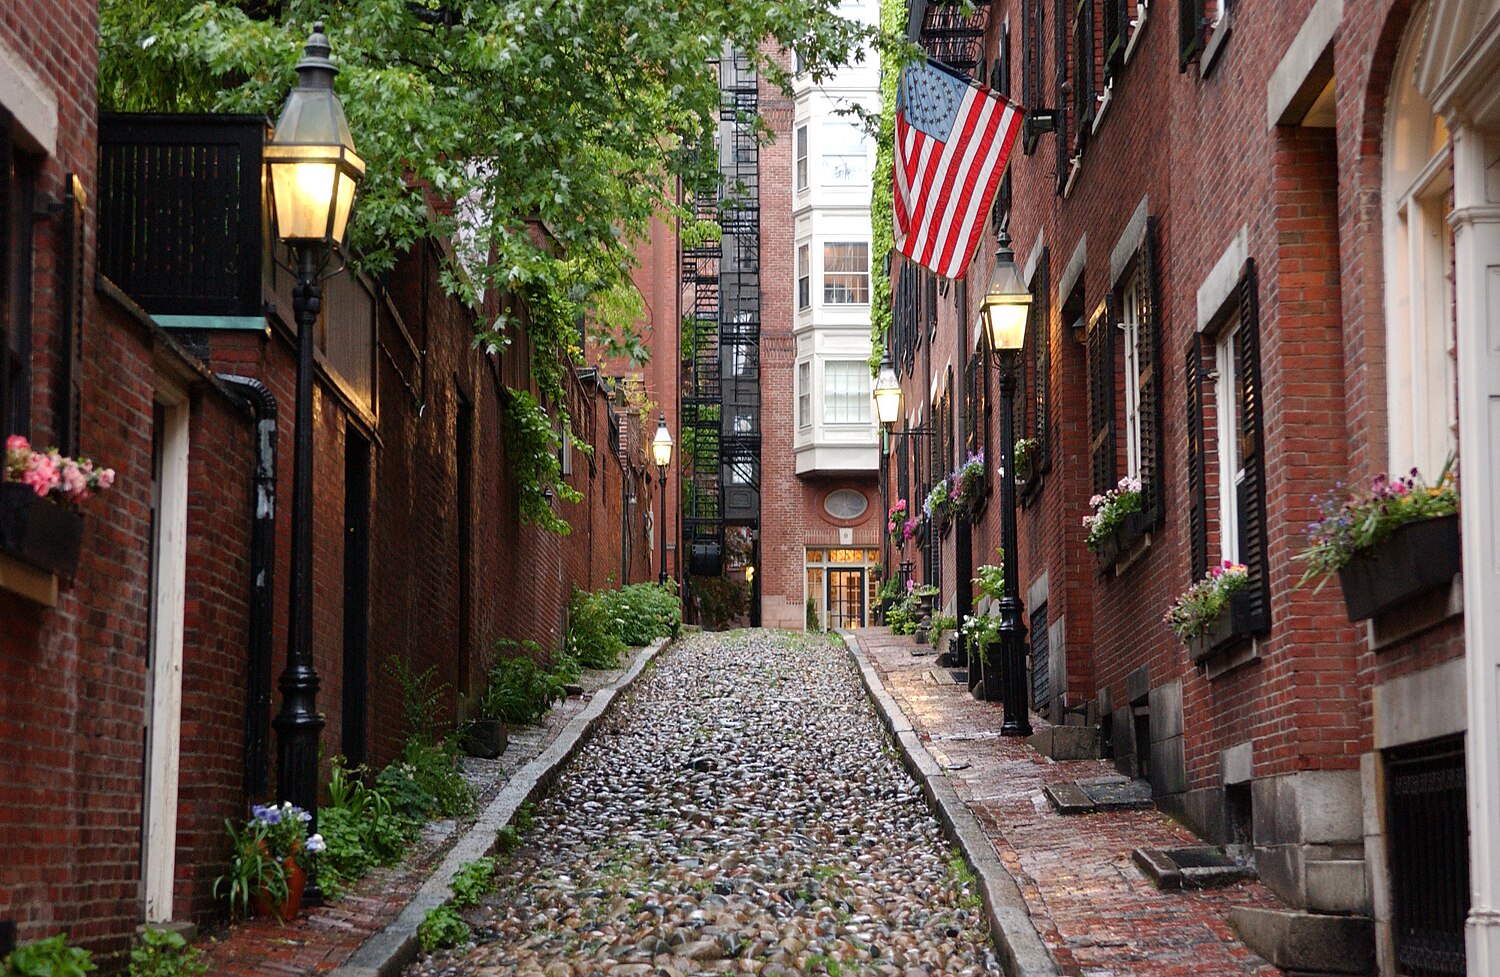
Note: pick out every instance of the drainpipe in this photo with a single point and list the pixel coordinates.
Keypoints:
(262, 577)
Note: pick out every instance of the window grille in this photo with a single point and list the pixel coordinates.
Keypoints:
(846, 273)
(846, 392)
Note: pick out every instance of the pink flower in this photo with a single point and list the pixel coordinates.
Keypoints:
(72, 480)
(106, 478)
(890, 527)
(41, 474)
(17, 443)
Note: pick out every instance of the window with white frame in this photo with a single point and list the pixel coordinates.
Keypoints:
(1421, 336)
(1229, 411)
(801, 158)
(845, 155)
(846, 273)
(804, 276)
(1130, 325)
(846, 392)
(804, 395)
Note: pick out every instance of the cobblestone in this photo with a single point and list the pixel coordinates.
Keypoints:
(740, 812)
(1095, 910)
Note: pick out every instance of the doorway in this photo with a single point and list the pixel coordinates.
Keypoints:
(163, 732)
(846, 598)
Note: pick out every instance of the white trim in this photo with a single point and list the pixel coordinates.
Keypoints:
(1227, 423)
(1218, 288)
(1136, 27)
(29, 100)
(168, 593)
(1291, 76)
(1035, 256)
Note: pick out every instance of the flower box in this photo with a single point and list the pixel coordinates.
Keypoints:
(1118, 544)
(1236, 622)
(44, 534)
(1417, 558)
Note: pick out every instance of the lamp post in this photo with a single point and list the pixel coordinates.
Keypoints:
(887, 394)
(1007, 303)
(313, 170)
(661, 453)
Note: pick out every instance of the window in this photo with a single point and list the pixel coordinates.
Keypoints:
(1202, 26)
(1040, 330)
(1033, 27)
(804, 395)
(804, 276)
(1063, 87)
(845, 155)
(1229, 401)
(1421, 335)
(846, 273)
(17, 191)
(846, 392)
(801, 158)
(1083, 71)
(1131, 325)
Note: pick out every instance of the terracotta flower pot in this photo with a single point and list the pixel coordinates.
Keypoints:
(296, 882)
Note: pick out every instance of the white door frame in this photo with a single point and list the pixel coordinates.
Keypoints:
(164, 678)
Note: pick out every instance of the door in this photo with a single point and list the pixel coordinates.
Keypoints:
(356, 597)
(846, 598)
(163, 732)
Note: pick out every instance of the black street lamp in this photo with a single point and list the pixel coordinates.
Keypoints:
(1007, 303)
(661, 453)
(313, 170)
(887, 394)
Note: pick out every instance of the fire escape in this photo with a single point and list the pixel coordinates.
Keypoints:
(720, 364)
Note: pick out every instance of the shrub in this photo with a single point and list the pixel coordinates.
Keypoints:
(442, 928)
(521, 691)
(52, 957)
(592, 635)
(360, 829)
(162, 953)
(643, 612)
(721, 599)
(426, 781)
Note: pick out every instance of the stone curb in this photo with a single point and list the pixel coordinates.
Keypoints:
(387, 952)
(1022, 952)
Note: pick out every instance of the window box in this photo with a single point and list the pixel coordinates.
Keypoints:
(40, 533)
(1417, 558)
(1235, 623)
(1118, 544)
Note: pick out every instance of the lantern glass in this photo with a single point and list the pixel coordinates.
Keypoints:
(1006, 304)
(661, 445)
(887, 394)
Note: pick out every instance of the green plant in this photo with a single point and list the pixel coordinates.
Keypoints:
(473, 881)
(980, 631)
(989, 579)
(643, 612)
(421, 697)
(259, 849)
(1024, 451)
(52, 957)
(435, 769)
(442, 928)
(532, 446)
(1361, 520)
(1202, 603)
(360, 829)
(519, 690)
(812, 616)
(720, 599)
(1110, 510)
(163, 953)
(941, 623)
(935, 498)
(592, 636)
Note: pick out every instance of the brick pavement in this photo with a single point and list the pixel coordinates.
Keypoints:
(1097, 913)
(322, 939)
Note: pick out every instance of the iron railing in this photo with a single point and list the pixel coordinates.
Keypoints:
(1427, 832)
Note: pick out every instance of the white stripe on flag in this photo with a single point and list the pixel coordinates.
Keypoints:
(938, 186)
(973, 146)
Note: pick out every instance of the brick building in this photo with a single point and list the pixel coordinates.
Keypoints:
(147, 327)
(1256, 242)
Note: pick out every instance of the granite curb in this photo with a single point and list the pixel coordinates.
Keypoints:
(1022, 952)
(388, 951)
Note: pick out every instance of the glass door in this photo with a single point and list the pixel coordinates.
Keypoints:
(846, 598)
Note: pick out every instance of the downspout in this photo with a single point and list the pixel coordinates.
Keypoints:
(262, 578)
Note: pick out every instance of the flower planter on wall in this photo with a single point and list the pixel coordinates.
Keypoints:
(44, 534)
(1235, 622)
(1417, 558)
(1119, 543)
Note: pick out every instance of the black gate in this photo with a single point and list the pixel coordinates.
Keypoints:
(1041, 670)
(1427, 830)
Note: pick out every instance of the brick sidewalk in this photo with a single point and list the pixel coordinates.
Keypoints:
(323, 939)
(1097, 913)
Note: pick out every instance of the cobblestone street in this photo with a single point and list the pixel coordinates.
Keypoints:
(740, 811)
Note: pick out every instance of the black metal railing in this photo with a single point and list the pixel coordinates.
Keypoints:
(180, 218)
(1427, 831)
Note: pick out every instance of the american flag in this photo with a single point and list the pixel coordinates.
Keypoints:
(953, 139)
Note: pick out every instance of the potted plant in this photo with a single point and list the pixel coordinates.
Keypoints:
(1214, 612)
(935, 506)
(966, 484)
(1116, 522)
(267, 872)
(1393, 542)
(895, 521)
(981, 632)
(1024, 454)
(39, 495)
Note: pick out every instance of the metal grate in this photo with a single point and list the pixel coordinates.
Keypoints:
(1427, 832)
(1041, 671)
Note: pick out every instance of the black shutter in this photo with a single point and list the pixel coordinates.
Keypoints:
(1116, 31)
(1189, 32)
(1148, 359)
(1060, 96)
(1041, 321)
(1083, 72)
(67, 389)
(1197, 480)
(8, 423)
(903, 476)
(1254, 549)
(1101, 352)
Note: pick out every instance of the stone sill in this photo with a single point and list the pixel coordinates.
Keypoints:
(30, 584)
